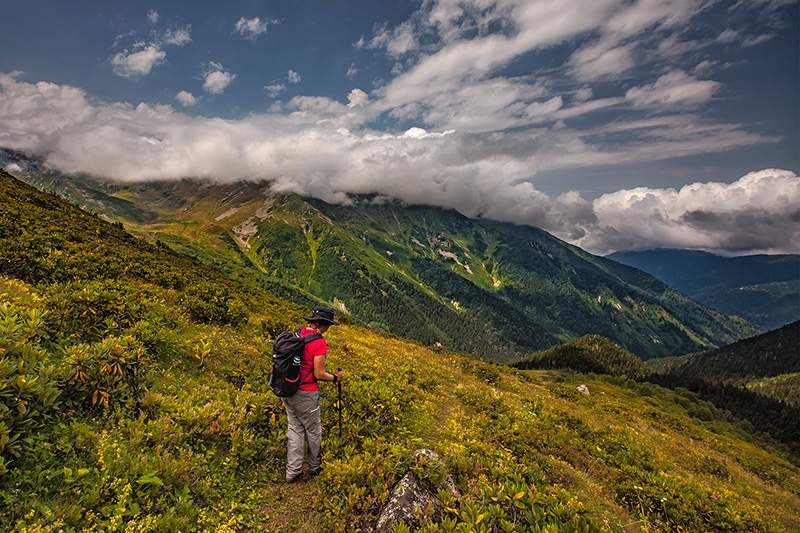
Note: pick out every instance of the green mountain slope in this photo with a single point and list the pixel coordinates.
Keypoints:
(132, 400)
(767, 355)
(591, 353)
(494, 290)
(784, 388)
(763, 289)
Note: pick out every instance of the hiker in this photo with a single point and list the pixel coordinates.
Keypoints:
(303, 408)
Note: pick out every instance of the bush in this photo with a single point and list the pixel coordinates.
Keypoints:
(28, 385)
(111, 372)
(213, 303)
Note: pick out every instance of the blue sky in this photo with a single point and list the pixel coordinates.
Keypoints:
(614, 124)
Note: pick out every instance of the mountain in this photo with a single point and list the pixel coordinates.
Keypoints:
(763, 289)
(494, 290)
(768, 355)
(134, 397)
(591, 353)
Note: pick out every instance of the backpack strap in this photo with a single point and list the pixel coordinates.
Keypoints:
(307, 339)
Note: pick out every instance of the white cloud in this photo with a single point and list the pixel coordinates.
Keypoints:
(275, 89)
(186, 99)
(758, 213)
(251, 28)
(398, 41)
(324, 149)
(293, 77)
(599, 60)
(352, 70)
(217, 78)
(357, 98)
(153, 16)
(139, 63)
(673, 88)
(757, 39)
(728, 36)
(179, 36)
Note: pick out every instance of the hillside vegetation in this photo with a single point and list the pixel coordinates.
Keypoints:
(133, 398)
(497, 291)
(766, 405)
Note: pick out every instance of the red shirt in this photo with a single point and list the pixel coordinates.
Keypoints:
(312, 349)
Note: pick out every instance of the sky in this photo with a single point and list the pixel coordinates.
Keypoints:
(613, 124)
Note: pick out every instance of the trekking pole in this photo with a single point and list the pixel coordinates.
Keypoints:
(339, 403)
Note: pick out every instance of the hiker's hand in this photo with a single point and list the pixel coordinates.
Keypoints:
(339, 375)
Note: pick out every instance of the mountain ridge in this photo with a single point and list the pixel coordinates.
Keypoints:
(763, 289)
(492, 289)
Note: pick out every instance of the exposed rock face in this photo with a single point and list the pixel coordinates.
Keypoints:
(412, 502)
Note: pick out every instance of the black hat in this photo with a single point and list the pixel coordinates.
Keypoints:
(322, 314)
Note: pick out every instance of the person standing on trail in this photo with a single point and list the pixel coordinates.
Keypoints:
(303, 408)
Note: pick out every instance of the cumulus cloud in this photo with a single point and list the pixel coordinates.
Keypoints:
(153, 16)
(130, 64)
(758, 213)
(186, 99)
(217, 78)
(293, 77)
(251, 29)
(357, 98)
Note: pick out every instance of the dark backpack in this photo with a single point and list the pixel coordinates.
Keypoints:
(284, 375)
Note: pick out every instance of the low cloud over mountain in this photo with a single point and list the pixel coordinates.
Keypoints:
(322, 148)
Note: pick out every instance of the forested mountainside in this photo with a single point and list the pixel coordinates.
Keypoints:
(591, 353)
(133, 397)
(763, 289)
(767, 355)
(496, 291)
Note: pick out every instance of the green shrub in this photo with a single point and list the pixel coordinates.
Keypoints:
(113, 372)
(88, 311)
(213, 303)
(28, 383)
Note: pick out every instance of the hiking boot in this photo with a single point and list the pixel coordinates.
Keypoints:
(293, 479)
(315, 473)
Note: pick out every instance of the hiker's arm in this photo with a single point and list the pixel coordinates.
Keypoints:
(321, 374)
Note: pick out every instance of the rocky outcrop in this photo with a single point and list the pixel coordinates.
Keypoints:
(413, 501)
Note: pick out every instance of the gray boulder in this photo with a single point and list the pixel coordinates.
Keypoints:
(413, 501)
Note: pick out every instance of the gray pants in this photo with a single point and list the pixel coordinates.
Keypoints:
(303, 412)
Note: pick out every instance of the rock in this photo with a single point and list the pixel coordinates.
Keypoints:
(584, 390)
(413, 501)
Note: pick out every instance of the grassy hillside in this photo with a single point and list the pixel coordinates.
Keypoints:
(766, 405)
(764, 289)
(133, 401)
(202, 447)
(494, 290)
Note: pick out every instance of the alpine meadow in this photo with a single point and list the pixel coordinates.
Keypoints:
(401, 266)
(134, 394)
